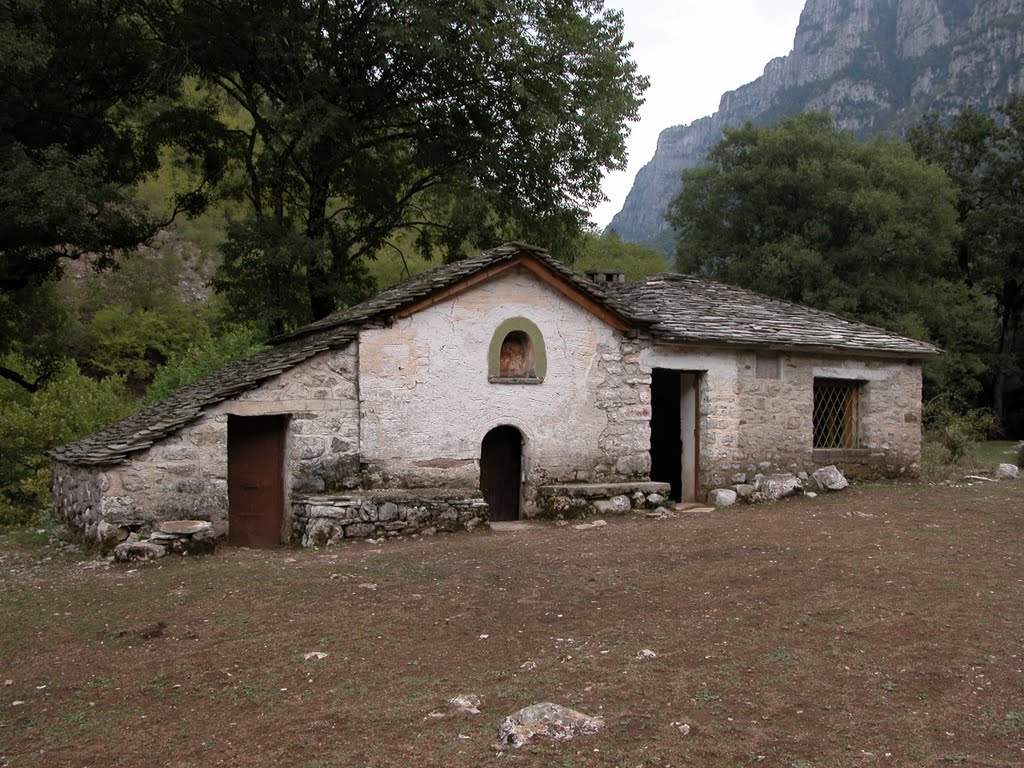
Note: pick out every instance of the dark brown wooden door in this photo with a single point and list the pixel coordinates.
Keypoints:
(501, 466)
(255, 480)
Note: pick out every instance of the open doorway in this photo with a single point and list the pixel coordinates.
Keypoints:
(675, 431)
(501, 467)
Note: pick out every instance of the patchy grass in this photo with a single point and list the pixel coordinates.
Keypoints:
(879, 626)
(990, 453)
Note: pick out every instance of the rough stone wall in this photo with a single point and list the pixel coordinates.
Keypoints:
(426, 401)
(625, 396)
(322, 521)
(77, 498)
(751, 423)
(184, 476)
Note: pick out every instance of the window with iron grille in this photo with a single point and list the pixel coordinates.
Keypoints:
(836, 405)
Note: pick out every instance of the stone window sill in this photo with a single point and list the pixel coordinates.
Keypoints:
(514, 380)
(831, 455)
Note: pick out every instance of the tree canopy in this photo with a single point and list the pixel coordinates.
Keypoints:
(802, 211)
(463, 121)
(87, 105)
(983, 154)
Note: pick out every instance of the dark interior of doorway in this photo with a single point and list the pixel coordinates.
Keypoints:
(501, 463)
(666, 437)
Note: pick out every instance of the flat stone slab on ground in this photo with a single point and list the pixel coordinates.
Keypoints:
(552, 721)
(184, 527)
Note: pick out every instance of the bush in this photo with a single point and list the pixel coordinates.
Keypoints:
(69, 406)
(955, 428)
(200, 359)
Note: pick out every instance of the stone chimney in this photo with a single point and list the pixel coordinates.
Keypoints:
(606, 276)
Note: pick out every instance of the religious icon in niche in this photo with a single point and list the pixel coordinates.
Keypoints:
(516, 361)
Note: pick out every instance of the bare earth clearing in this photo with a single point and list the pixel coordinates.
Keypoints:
(880, 626)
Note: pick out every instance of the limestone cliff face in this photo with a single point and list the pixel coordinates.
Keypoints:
(876, 65)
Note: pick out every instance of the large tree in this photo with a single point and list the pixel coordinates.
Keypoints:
(460, 120)
(86, 108)
(984, 156)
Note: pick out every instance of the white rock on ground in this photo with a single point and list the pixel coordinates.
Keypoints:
(616, 505)
(1007, 472)
(779, 486)
(830, 478)
(588, 526)
(466, 702)
(722, 497)
(549, 720)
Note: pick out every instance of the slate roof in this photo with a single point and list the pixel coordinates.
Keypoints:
(140, 430)
(385, 303)
(687, 309)
(673, 308)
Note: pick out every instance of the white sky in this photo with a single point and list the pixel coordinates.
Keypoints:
(693, 51)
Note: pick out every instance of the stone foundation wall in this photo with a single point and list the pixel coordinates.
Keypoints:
(77, 498)
(321, 521)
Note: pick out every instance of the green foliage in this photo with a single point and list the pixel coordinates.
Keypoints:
(66, 408)
(87, 105)
(802, 211)
(955, 427)
(134, 343)
(609, 251)
(984, 156)
(460, 122)
(129, 320)
(202, 358)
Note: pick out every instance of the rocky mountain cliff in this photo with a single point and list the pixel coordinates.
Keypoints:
(875, 65)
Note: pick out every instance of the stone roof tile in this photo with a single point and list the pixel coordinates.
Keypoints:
(687, 309)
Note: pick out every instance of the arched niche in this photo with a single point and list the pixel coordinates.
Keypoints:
(517, 354)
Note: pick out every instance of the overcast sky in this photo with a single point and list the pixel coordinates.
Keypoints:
(693, 51)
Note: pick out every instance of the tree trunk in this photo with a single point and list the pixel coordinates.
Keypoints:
(1012, 301)
(321, 302)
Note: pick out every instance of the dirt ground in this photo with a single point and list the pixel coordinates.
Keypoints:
(880, 626)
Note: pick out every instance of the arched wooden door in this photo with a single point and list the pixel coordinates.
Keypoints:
(501, 467)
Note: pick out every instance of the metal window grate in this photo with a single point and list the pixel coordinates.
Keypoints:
(835, 414)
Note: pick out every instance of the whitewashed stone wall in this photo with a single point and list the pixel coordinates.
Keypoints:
(750, 424)
(184, 476)
(426, 402)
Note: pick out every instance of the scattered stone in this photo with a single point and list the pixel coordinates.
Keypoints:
(811, 495)
(17, 703)
(655, 499)
(549, 720)
(683, 728)
(779, 486)
(660, 513)
(646, 653)
(529, 666)
(830, 478)
(185, 527)
(435, 715)
(467, 702)
(722, 497)
(1007, 472)
(111, 535)
(129, 551)
(745, 491)
(979, 478)
(590, 525)
(314, 656)
(616, 505)
(368, 585)
(739, 478)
